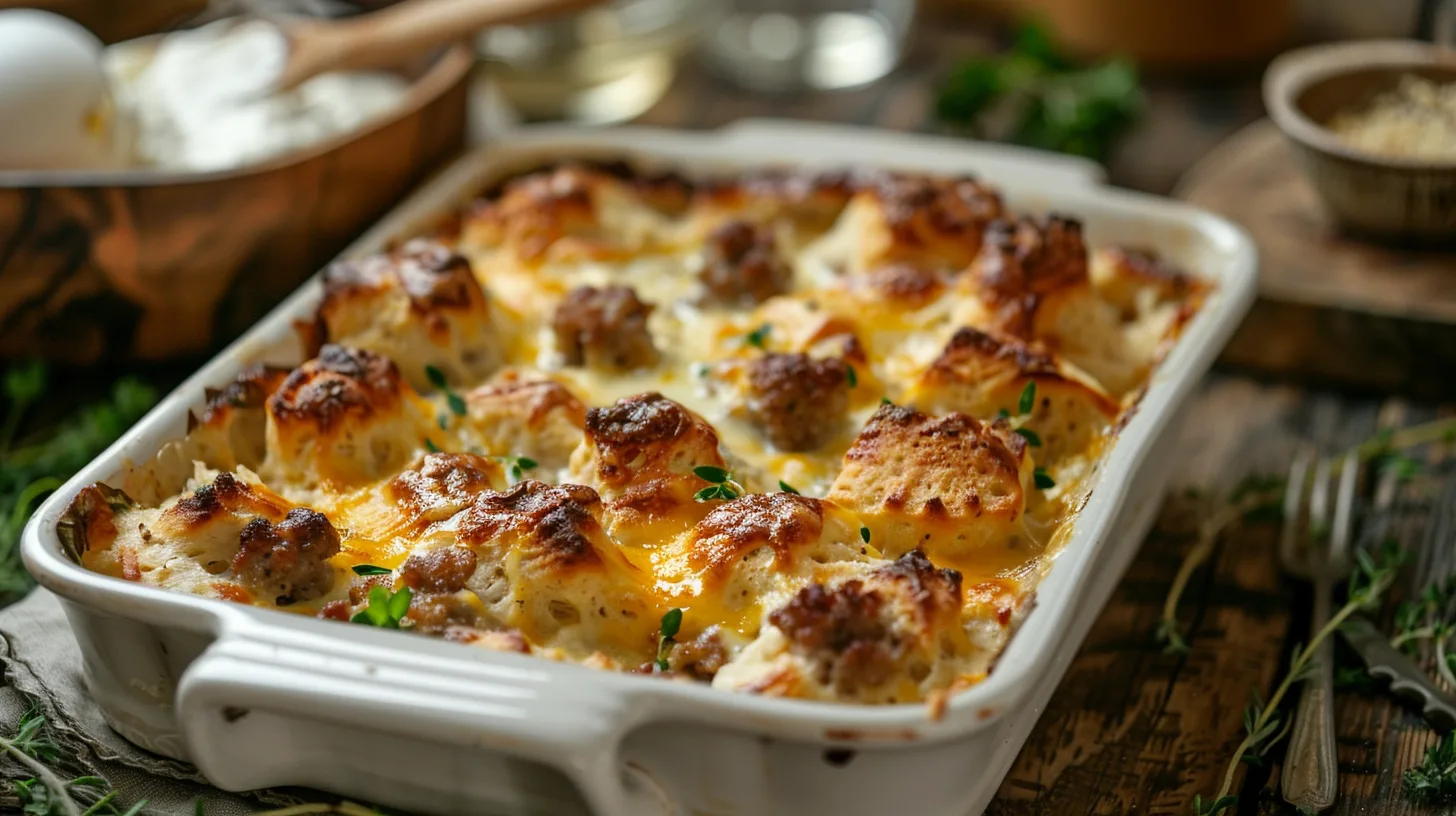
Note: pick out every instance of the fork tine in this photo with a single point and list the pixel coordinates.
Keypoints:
(1293, 502)
(1344, 510)
(1319, 501)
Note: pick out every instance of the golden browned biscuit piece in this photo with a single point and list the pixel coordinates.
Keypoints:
(419, 305)
(639, 454)
(345, 416)
(535, 417)
(949, 485)
(548, 569)
(983, 375)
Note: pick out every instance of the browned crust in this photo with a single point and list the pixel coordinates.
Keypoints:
(226, 495)
(904, 284)
(1022, 262)
(935, 590)
(627, 431)
(536, 399)
(249, 390)
(442, 479)
(782, 522)
(923, 210)
(558, 518)
(340, 383)
(955, 429)
(973, 356)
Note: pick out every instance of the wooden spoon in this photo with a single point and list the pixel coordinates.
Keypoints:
(392, 35)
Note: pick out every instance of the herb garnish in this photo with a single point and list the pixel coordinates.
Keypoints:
(757, 337)
(1042, 480)
(722, 486)
(864, 534)
(1033, 96)
(431, 446)
(386, 609)
(371, 569)
(452, 399)
(47, 793)
(516, 467)
(1026, 403)
(1431, 617)
(1433, 782)
(851, 376)
(671, 623)
(785, 487)
(33, 466)
(1263, 724)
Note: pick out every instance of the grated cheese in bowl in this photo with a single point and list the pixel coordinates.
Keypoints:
(1415, 120)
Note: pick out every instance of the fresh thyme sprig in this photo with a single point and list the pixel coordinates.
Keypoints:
(1430, 618)
(41, 463)
(758, 336)
(721, 484)
(1263, 724)
(1259, 495)
(516, 467)
(455, 402)
(47, 793)
(667, 631)
(1433, 782)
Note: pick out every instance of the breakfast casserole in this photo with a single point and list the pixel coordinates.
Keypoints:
(810, 435)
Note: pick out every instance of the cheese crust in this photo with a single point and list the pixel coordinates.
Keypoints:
(841, 421)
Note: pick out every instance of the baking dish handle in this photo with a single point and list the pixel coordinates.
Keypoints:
(302, 684)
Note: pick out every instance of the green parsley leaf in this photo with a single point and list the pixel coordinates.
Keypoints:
(757, 337)
(1030, 436)
(457, 405)
(436, 377)
(671, 623)
(864, 534)
(371, 569)
(443, 421)
(1042, 480)
(849, 374)
(885, 401)
(785, 487)
(386, 609)
(667, 630)
(709, 473)
(718, 491)
(526, 462)
(1027, 402)
(430, 445)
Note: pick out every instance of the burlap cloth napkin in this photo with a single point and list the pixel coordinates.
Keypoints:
(42, 665)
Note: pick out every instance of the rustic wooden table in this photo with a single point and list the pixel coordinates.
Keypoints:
(1132, 730)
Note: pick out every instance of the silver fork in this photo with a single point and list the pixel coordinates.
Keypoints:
(1316, 549)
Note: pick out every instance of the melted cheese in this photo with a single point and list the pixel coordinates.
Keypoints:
(602, 585)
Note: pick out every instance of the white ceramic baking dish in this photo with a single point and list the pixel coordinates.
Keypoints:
(260, 698)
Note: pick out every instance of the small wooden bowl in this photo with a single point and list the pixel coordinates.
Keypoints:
(149, 265)
(1374, 196)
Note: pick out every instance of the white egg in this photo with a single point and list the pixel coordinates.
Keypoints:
(53, 94)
